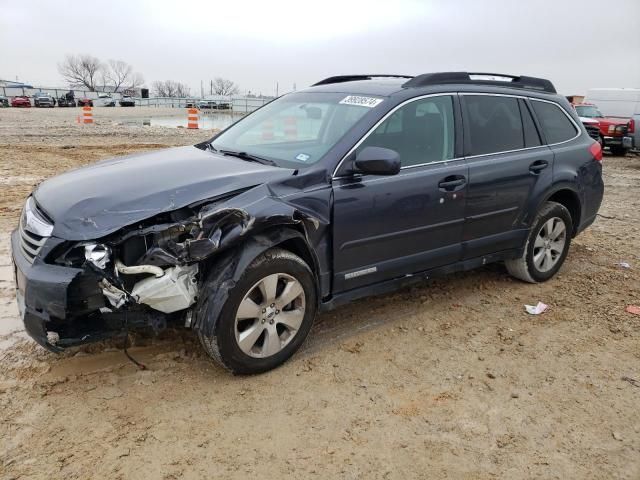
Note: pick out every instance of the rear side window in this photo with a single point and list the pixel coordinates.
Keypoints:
(555, 124)
(494, 124)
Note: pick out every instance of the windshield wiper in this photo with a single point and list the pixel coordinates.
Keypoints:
(248, 157)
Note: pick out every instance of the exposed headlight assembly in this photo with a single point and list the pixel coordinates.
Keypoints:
(97, 254)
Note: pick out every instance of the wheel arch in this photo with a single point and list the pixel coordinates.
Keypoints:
(224, 271)
(569, 198)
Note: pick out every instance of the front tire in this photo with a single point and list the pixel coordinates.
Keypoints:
(267, 315)
(547, 245)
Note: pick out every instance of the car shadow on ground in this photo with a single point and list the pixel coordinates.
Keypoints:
(330, 329)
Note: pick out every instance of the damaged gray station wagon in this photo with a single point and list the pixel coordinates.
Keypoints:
(355, 186)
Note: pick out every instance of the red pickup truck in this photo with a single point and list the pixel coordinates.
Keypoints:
(615, 133)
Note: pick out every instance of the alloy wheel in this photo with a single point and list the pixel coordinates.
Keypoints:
(270, 315)
(549, 244)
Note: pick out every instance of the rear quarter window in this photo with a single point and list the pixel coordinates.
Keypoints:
(555, 123)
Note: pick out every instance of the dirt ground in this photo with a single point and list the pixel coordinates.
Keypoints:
(450, 379)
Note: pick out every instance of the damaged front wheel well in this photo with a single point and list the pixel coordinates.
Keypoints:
(224, 271)
(298, 246)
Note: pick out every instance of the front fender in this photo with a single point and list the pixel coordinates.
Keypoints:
(225, 272)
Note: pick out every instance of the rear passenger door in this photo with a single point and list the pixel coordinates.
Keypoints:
(508, 168)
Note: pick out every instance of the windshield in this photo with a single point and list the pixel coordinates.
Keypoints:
(588, 111)
(296, 130)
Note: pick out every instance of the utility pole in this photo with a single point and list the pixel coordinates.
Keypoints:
(211, 88)
(276, 89)
(201, 89)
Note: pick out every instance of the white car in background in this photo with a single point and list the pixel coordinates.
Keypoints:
(104, 100)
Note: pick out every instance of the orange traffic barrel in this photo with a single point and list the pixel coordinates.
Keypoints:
(87, 115)
(267, 130)
(192, 118)
(291, 128)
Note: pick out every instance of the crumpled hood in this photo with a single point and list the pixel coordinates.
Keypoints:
(97, 200)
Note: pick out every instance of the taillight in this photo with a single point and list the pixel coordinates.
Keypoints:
(631, 126)
(596, 150)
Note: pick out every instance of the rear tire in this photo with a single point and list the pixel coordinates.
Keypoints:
(267, 315)
(547, 245)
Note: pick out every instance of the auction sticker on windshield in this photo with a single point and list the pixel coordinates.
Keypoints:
(369, 102)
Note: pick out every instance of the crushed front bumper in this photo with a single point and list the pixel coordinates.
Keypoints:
(57, 302)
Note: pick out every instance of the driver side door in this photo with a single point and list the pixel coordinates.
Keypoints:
(389, 226)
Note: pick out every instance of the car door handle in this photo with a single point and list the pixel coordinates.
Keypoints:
(537, 166)
(452, 183)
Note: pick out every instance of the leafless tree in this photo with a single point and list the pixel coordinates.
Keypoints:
(182, 91)
(137, 80)
(170, 88)
(222, 86)
(120, 75)
(81, 70)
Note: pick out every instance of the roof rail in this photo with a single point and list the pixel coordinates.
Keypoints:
(532, 83)
(351, 78)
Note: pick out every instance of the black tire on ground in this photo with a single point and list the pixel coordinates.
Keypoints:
(524, 267)
(619, 150)
(223, 347)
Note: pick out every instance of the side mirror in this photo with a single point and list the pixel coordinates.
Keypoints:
(377, 161)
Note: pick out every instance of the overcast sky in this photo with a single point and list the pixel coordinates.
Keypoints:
(578, 44)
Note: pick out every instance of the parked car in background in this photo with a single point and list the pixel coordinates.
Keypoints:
(207, 105)
(127, 101)
(4, 101)
(63, 101)
(104, 100)
(213, 104)
(21, 101)
(356, 186)
(43, 100)
(85, 102)
(620, 103)
(615, 133)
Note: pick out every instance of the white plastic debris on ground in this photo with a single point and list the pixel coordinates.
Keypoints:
(536, 309)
